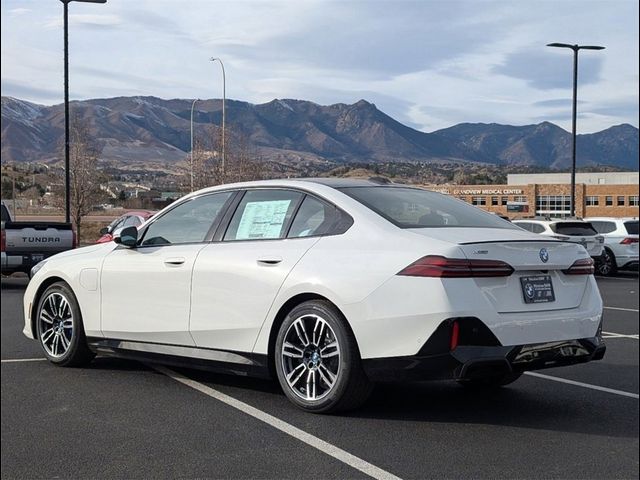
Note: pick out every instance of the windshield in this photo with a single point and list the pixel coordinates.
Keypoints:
(574, 229)
(416, 208)
(632, 227)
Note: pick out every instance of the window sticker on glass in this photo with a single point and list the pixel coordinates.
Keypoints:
(262, 219)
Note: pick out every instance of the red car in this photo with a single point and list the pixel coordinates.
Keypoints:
(129, 219)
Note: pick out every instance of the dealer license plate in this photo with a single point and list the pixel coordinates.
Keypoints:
(538, 289)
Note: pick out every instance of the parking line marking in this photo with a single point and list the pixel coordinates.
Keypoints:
(622, 309)
(619, 335)
(585, 385)
(18, 360)
(311, 440)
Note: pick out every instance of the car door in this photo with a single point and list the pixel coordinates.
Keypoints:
(236, 279)
(146, 291)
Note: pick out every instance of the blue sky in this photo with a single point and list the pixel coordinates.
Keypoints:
(429, 64)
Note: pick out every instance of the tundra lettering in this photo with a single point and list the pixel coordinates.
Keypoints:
(41, 239)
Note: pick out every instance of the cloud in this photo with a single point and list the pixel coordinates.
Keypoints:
(37, 94)
(108, 21)
(19, 11)
(548, 70)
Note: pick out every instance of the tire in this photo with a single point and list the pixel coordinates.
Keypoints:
(607, 265)
(60, 329)
(317, 360)
(490, 382)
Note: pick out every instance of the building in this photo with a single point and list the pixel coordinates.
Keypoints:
(611, 194)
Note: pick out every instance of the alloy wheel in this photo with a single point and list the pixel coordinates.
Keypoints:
(310, 357)
(56, 324)
(605, 266)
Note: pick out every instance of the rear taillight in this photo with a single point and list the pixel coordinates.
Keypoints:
(583, 266)
(629, 241)
(441, 267)
(3, 244)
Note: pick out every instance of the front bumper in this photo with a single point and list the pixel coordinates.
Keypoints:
(468, 361)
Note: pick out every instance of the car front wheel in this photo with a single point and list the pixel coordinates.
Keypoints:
(317, 360)
(60, 329)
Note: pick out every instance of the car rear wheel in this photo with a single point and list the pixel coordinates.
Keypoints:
(60, 329)
(607, 266)
(491, 382)
(317, 360)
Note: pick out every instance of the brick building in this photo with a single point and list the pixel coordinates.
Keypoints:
(527, 195)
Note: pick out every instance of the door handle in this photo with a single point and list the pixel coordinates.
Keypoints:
(269, 261)
(174, 261)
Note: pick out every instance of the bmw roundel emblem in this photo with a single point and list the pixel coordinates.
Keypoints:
(529, 291)
(544, 255)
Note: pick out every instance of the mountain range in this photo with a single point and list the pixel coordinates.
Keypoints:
(150, 129)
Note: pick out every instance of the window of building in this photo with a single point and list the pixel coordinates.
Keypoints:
(504, 200)
(592, 201)
(478, 200)
(608, 201)
(633, 201)
(494, 201)
(553, 205)
(520, 198)
(621, 201)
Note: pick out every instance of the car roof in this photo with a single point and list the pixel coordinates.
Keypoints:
(613, 219)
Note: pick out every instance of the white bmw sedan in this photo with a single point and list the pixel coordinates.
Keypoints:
(328, 285)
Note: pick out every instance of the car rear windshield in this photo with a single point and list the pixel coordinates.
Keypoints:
(632, 227)
(574, 229)
(416, 208)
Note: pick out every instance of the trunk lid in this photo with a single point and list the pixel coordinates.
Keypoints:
(526, 253)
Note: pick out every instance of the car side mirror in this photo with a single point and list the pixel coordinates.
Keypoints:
(127, 236)
(104, 230)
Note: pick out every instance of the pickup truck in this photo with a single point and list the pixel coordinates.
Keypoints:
(24, 244)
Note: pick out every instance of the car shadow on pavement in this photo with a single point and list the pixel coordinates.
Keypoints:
(14, 282)
(547, 408)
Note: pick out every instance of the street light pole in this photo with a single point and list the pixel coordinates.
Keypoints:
(576, 49)
(192, 105)
(224, 101)
(67, 173)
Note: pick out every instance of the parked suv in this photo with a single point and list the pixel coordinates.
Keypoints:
(571, 230)
(620, 243)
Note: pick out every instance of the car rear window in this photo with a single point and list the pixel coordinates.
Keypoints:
(632, 227)
(416, 208)
(574, 229)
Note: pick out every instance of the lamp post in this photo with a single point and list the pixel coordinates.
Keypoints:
(224, 101)
(67, 177)
(576, 49)
(192, 105)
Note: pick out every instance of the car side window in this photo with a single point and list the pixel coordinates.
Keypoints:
(262, 215)
(314, 217)
(525, 225)
(604, 227)
(132, 221)
(535, 228)
(117, 223)
(189, 222)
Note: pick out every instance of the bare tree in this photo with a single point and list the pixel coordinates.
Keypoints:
(86, 179)
(242, 162)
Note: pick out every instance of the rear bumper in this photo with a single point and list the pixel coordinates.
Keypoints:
(22, 262)
(467, 362)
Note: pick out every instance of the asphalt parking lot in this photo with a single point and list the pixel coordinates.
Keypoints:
(123, 419)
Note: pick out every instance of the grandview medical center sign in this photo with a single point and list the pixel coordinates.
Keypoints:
(480, 191)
